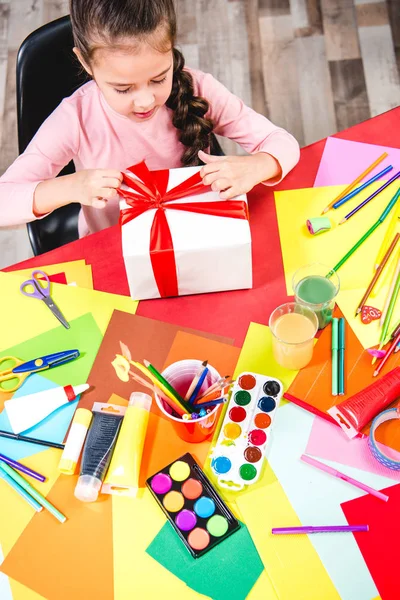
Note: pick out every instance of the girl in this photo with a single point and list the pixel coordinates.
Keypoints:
(142, 104)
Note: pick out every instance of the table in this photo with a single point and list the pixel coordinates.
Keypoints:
(229, 313)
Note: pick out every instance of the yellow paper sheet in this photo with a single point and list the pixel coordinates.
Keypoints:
(300, 248)
(12, 505)
(136, 575)
(369, 334)
(262, 589)
(76, 271)
(22, 318)
(21, 592)
(291, 562)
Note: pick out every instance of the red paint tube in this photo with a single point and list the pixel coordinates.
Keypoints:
(354, 413)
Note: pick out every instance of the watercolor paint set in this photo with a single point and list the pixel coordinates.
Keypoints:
(194, 508)
(245, 435)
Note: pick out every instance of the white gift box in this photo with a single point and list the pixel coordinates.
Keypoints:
(212, 253)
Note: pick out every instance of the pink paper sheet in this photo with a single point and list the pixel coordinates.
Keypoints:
(342, 161)
(328, 441)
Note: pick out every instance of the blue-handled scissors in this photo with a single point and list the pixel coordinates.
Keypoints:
(15, 369)
(42, 292)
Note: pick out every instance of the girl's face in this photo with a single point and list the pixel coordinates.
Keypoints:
(133, 84)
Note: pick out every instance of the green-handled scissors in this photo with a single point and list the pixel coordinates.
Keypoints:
(13, 369)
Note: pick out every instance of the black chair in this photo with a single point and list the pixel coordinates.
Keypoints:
(47, 72)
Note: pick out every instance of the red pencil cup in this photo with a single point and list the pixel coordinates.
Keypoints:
(180, 375)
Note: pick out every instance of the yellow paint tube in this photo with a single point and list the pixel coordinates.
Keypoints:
(123, 475)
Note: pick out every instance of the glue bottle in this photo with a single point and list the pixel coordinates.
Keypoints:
(123, 474)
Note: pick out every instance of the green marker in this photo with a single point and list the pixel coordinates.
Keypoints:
(335, 347)
(342, 324)
(31, 490)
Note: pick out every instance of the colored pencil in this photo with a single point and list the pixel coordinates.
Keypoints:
(212, 403)
(362, 187)
(389, 313)
(195, 380)
(162, 380)
(335, 339)
(174, 397)
(324, 529)
(395, 220)
(34, 493)
(356, 181)
(371, 197)
(27, 497)
(344, 477)
(211, 396)
(29, 440)
(367, 234)
(220, 384)
(20, 467)
(390, 292)
(389, 352)
(175, 407)
(377, 273)
(197, 389)
(342, 345)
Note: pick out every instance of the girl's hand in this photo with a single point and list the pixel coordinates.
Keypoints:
(94, 187)
(235, 175)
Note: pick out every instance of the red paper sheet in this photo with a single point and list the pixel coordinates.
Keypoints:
(227, 313)
(380, 545)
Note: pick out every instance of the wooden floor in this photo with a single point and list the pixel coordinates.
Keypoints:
(312, 66)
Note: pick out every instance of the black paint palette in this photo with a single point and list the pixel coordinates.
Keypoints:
(195, 510)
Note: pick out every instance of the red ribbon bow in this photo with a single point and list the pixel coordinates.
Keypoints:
(151, 192)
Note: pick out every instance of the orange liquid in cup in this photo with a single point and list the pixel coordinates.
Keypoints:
(294, 347)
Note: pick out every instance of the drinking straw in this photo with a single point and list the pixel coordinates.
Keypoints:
(357, 180)
(371, 197)
(27, 497)
(335, 378)
(389, 352)
(377, 273)
(362, 187)
(20, 467)
(388, 236)
(390, 292)
(367, 234)
(31, 490)
(342, 324)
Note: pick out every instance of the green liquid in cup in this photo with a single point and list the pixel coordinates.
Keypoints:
(320, 292)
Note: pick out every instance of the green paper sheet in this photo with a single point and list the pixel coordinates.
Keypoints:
(227, 572)
(84, 335)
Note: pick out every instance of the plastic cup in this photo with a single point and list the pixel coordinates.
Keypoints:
(293, 328)
(180, 375)
(312, 288)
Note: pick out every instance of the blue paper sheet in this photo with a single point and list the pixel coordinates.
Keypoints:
(316, 498)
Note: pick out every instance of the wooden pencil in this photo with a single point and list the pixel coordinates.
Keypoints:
(390, 292)
(389, 352)
(371, 197)
(378, 273)
(355, 182)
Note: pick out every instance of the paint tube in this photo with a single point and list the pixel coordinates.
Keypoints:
(98, 449)
(123, 475)
(354, 413)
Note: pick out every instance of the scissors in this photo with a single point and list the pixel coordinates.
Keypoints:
(42, 292)
(20, 370)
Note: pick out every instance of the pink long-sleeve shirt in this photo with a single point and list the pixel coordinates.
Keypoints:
(87, 130)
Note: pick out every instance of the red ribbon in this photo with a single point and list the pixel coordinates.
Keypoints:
(150, 191)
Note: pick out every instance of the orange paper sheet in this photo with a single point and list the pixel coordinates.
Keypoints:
(313, 385)
(69, 560)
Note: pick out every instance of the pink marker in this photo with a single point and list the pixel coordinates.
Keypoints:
(331, 471)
